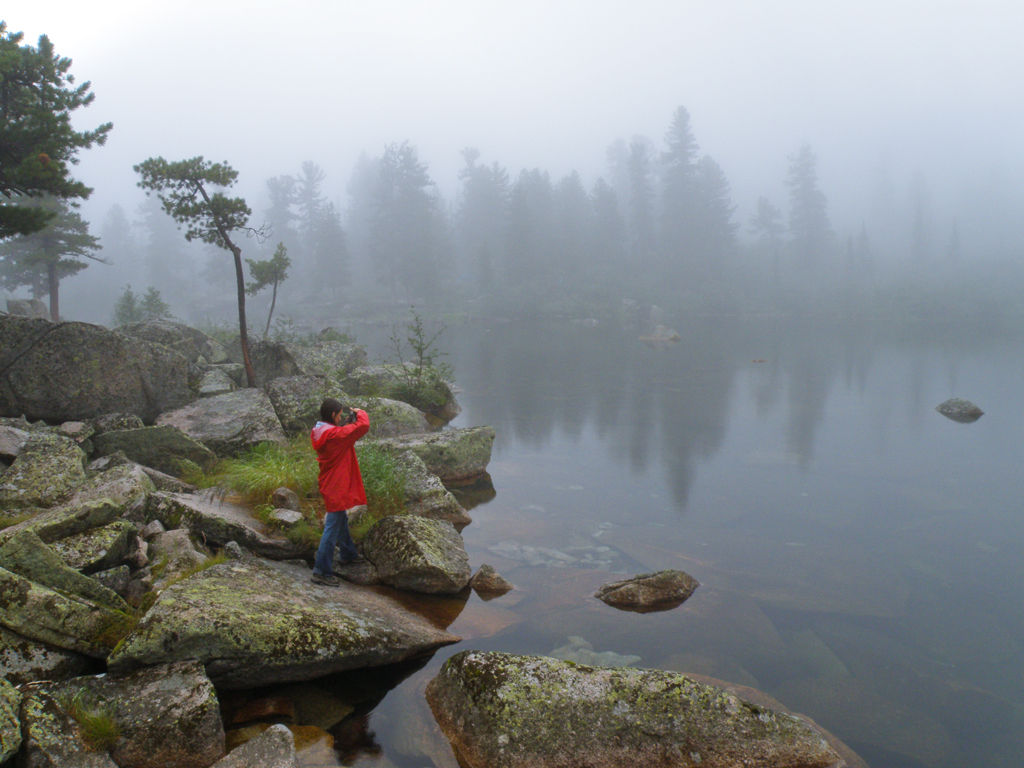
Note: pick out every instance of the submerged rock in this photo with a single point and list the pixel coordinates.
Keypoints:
(958, 409)
(580, 651)
(649, 592)
(254, 623)
(502, 710)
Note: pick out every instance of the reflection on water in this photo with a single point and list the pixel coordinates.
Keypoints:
(860, 554)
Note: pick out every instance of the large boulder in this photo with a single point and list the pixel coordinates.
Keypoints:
(417, 554)
(162, 447)
(297, 399)
(25, 554)
(274, 359)
(10, 725)
(254, 623)
(58, 618)
(502, 710)
(126, 485)
(274, 748)
(397, 382)
(24, 660)
(168, 717)
(28, 308)
(649, 592)
(12, 440)
(190, 343)
(228, 424)
(454, 455)
(389, 418)
(77, 371)
(47, 470)
(100, 548)
(425, 494)
(218, 522)
(61, 522)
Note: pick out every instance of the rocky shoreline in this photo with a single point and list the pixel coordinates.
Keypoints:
(129, 598)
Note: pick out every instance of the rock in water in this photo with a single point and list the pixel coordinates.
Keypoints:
(502, 710)
(958, 409)
(649, 592)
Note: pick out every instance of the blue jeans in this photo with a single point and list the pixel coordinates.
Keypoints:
(335, 535)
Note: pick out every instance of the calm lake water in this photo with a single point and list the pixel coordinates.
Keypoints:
(859, 553)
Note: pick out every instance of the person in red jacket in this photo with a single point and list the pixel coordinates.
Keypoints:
(341, 484)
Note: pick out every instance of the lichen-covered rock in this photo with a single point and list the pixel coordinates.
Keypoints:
(168, 716)
(77, 371)
(217, 523)
(297, 400)
(12, 440)
(111, 421)
(58, 618)
(214, 382)
(489, 582)
(24, 660)
(99, 548)
(10, 725)
(163, 448)
(433, 395)
(961, 410)
(175, 554)
(425, 494)
(421, 555)
(28, 308)
(61, 522)
(51, 737)
(502, 710)
(454, 455)
(228, 424)
(125, 485)
(390, 418)
(274, 748)
(25, 554)
(46, 471)
(274, 359)
(649, 592)
(190, 343)
(253, 623)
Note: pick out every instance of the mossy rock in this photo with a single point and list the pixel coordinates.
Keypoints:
(417, 554)
(47, 470)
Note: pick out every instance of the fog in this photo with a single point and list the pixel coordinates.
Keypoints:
(914, 113)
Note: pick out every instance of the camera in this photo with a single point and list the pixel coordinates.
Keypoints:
(350, 415)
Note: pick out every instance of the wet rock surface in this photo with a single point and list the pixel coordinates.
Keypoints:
(414, 553)
(649, 592)
(254, 623)
(503, 710)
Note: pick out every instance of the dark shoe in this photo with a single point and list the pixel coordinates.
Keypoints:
(325, 579)
(354, 560)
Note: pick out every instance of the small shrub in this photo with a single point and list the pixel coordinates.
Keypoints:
(425, 374)
(100, 730)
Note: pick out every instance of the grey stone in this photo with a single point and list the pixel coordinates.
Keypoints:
(28, 308)
(488, 581)
(215, 382)
(958, 409)
(649, 592)
(274, 748)
(288, 518)
(12, 440)
(217, 523)
(61, 522)
(454, 455)
(47, 470)
(272, 360)
(189, 342)
(228, 424)
(391, 418)
(77, 371)
(111, 421)
(115, 579)
(24, 660)
(580, 651)
(500, 710)
(297, 399)
(175, 553)
(169, 716)
(417, 554)
(51, 736)
(285, 498)
(393, 382)
(162, 447)
(10, 724)
(100, 548)
(255, 623)
(153, 529)
(425, 494)
(124, 485)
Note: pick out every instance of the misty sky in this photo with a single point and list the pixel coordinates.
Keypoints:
(878, 87)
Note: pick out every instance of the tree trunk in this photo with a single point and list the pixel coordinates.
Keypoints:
(243, 335)
(51, 273)
(270, 314)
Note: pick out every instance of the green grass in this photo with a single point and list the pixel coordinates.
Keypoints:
(385, 487)
(256, 474)
(100, 731)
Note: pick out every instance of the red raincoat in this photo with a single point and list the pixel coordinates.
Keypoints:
(341, 483)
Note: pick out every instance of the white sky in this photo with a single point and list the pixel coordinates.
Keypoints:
(935, 87)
